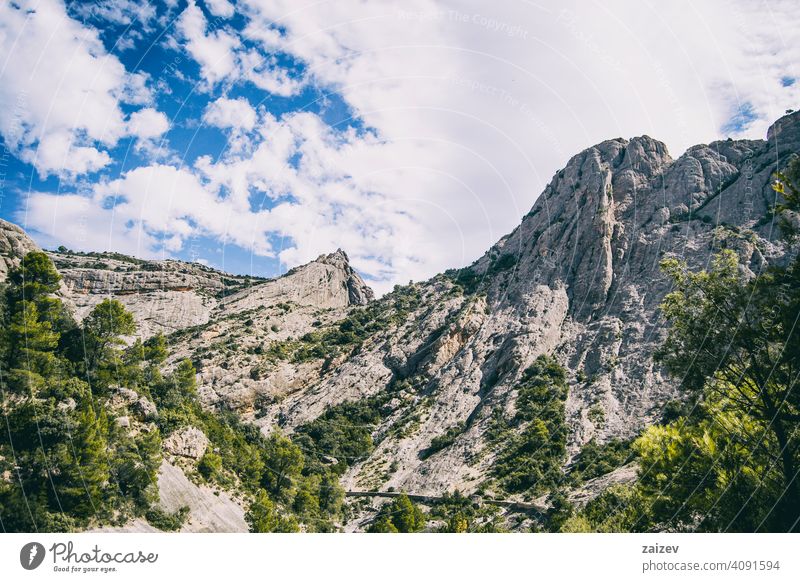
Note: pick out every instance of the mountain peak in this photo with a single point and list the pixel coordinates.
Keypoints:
(785, 130)
(359, 293)
(327, 281)
(338, 258)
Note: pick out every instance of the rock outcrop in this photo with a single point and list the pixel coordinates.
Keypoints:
(189, 442)
(14, 244)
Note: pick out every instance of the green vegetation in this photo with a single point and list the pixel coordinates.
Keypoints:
(597, 416)
(400, 516)
(463, 515)
(443, 441)
(164, 521)
(342, 435)
(532, 445)
(595, 460)
(71, 463)
(264, 517)
(347, 335)
(466, 280)
(503, 263)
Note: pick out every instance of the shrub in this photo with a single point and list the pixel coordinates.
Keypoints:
(164, 521)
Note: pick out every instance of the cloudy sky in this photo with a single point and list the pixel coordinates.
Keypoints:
(255, 135)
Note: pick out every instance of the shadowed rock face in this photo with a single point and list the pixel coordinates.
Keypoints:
(579, 278)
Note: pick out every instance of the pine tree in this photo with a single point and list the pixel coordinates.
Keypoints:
(86, 472)
(102, 331)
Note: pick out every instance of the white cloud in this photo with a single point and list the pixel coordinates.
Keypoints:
(81, 223)
(221, 8)
(60, 91)
(148, 210)
(214, 50)
(57, 150)
(148, 123)
(121, 12)
(223, 59)
(476, 106)
(231, 113)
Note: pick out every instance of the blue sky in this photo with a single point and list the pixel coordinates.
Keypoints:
(255, 135)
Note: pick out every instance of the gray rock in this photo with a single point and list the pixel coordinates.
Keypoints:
(209, 510)
(146, 409)
(14, 244)
(189, 442)
(122, 397)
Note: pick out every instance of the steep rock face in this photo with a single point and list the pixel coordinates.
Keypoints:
(209, 510)
(229, 348)
(168, 296)
(14, 244)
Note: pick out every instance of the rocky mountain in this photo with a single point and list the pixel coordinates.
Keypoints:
(442, 359)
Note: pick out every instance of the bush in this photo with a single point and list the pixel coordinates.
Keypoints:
(400, 516)
(210, 466)
(443, 441)
(164, 521)
(595, 460)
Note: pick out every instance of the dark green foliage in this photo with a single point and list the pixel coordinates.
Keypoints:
(461, 514)
(264, 517)
(343, 434)
(102, 331)
(675, 409)
(134, 466)
(210, 466)
(734, 342)
(74, 466)
(283, 463)
(443, 441)
(164, 521)
(400, 516)
(35, 278)
(532, 446)
(595, 460)
(83, 482)
(503, 263)
(560, 510)
(620, 508)
(465, 279)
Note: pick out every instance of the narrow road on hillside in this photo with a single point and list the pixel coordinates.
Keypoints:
(513, 505)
